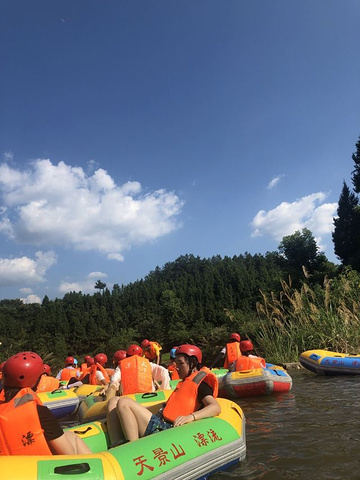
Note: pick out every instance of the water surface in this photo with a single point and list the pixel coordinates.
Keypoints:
(310, 433)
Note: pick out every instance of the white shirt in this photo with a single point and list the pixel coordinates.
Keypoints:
(159, 373)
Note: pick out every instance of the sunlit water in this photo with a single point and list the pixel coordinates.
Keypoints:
(310, 433)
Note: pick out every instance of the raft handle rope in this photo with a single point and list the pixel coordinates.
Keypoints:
(149, 395)
(72, 469)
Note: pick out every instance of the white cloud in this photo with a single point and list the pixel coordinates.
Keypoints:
(115, 256)
(274, 182)
(97, 275)
(24, 271)
(25, 291)
(84, 286)
(31, 299)
(286, 218)
(60, 205)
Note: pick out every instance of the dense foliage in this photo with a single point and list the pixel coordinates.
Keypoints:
(346, 234)
(182, 301)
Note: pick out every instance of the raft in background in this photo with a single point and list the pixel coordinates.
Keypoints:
(324, 362)
(62, 403)
(93, 407)
(255, 382)
(192, 451)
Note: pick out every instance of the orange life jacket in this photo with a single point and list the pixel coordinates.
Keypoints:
(91, 371)
(247, 363)
(183, 400)
(136, 375)
(83, 367)
(174, 374)
(67, 373)
(47, 384)
(152, 353)
(232, 353)
(20, 429)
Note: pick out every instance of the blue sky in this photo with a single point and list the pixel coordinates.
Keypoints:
(135, 132)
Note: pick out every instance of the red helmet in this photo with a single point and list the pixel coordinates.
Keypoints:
(235, 336)
(246, 346)
(90, 361)
(86, 358)
(69, 360)
(134, 350)
(190, 350)
(46, 369)
(101, 358)
(145, 343)
(22, 370)
(119, 355)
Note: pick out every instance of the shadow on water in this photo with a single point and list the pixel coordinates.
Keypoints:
(311, 432)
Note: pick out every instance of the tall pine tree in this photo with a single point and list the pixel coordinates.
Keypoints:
(355, 177)
(345, 226)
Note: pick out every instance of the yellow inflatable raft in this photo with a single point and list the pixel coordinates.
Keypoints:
(189, 452)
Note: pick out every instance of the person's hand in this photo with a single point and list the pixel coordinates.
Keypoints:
(104, 390)
(183, 419)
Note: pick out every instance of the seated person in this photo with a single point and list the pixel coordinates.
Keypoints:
(232, 351)
(151, 351)
(247, 361)
(23, 410)
(95, 373)
(136, 376)
(172, 365)
(193, 399)
(65, 374)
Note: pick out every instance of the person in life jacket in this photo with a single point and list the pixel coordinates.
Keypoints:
(193, 399)
(96, 374)
(69, 371)
(151, 351)
(135, 374)
(248, 361)
(26, 426)
(47, 383)
(86, 364)
(231, 351)
(172, 365)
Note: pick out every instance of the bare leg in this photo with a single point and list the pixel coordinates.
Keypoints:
(113, 422)
(134, 418)
(68, 444)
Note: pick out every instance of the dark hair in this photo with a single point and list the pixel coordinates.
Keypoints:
(10, 393)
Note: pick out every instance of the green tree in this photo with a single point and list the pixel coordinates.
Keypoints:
(356, 172)
(299, 251)
(345, 226)
(99, 285)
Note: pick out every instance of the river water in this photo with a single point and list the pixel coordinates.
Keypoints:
(310, 433)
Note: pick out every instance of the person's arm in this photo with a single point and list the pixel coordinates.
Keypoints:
(113, 386)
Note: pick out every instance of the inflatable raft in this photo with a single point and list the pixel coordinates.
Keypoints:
(62, 403)
(324, 362)
(94, 406)
(192, 451)
(255, 382)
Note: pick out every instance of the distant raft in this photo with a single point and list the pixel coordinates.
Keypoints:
(62, 403)
(255, 382)
(324, 362)
(94, 407)
(190, 452)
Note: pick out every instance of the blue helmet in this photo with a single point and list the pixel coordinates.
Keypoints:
(173, 352)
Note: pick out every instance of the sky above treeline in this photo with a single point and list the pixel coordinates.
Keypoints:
(133, 132)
